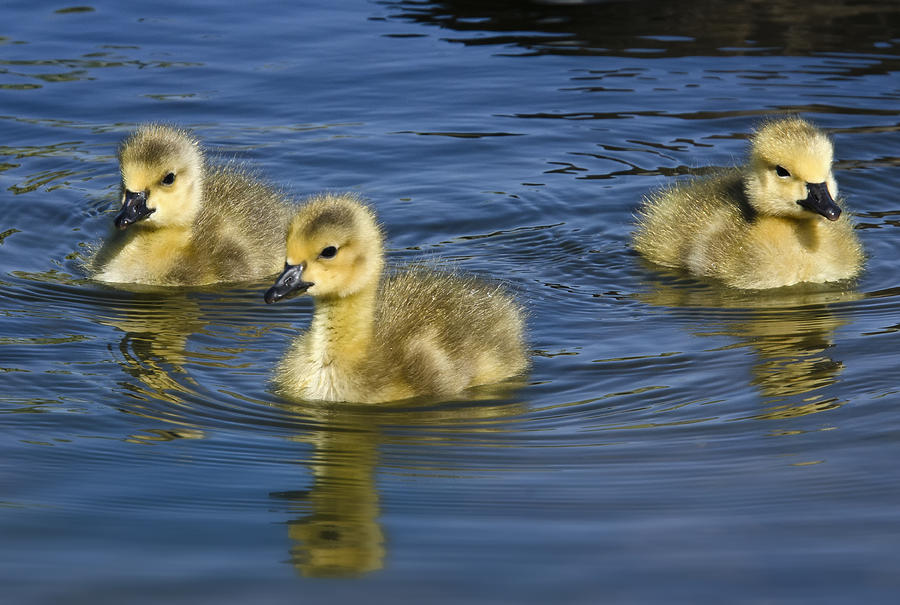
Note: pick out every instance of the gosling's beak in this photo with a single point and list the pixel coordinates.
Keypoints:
(820, 201)
(289, 283)
(133, 209)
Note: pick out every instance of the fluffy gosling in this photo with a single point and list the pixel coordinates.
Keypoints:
(187, 221)
(774, 222)
(376, 337)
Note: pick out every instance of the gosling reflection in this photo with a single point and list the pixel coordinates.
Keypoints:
(153, 352)
(339, 533)
(792, 350)
(790, 332)
(339, 536)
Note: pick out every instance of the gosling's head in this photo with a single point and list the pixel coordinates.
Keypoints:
(334, 250)
(162, 177)
(790, 171)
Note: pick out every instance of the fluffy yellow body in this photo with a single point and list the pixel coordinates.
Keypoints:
(753, 227)
(376, 337)
(191, 222)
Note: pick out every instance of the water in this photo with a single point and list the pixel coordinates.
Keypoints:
(675, 442)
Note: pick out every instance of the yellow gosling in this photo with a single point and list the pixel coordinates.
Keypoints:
(773, 222)
(187, 221)
(376, 337)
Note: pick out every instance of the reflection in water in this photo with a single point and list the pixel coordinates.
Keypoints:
(791, 348)
(339, 534)
(153, 351)
(789, 330)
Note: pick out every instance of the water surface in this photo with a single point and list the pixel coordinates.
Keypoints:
(675, 441)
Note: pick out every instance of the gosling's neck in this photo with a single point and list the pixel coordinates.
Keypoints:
(342, 328)
(810, 233)
(159, 246)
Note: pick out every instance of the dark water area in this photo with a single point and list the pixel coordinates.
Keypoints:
(675, 441)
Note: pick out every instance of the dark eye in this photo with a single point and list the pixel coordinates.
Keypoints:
(169, 179)
(782, 171)
(328, 252)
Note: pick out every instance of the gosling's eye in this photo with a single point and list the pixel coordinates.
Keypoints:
(168, 179)
(328, 252)
(782, 171)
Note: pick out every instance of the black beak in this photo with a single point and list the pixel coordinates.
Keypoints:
(289, 283)
(133, 209)
(820, 201)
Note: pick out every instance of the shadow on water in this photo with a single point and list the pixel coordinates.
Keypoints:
(658, 27)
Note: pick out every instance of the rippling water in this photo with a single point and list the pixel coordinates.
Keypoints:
(675, 441)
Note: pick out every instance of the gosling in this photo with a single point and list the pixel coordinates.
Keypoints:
(187, 221)
(376, 338)
(773, 222)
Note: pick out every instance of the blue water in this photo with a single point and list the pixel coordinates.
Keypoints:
(675, 442)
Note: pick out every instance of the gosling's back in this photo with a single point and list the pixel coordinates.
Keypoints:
(239, 233)
(447, 332)
(681, 226)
